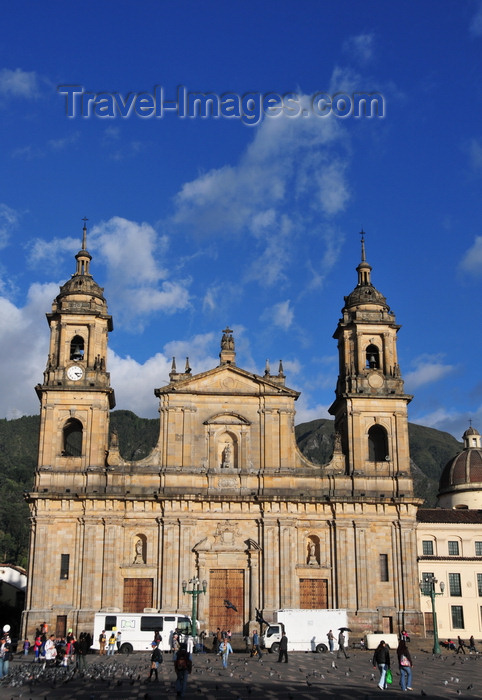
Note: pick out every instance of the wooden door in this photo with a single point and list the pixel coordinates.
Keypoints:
(428, 616)
(313, 593)
(61, 626)
(138, 594)
(226, 592)
(387, 626)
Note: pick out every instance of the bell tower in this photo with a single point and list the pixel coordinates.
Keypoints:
(370, 407)
(76, 395)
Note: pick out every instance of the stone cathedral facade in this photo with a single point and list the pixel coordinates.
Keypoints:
(225, 495)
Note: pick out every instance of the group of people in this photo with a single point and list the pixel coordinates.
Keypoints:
(460, 647)
(341, 642)
(112, 643)
(381, 660)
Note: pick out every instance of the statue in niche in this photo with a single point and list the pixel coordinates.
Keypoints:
(312, 560)
(139, 552)
(227, 459)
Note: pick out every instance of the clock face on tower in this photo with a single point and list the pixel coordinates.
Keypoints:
(75, 373)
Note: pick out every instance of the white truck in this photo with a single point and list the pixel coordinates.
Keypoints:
(138, 629)
(306, 629)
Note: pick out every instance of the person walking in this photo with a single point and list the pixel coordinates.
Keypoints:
(183, 667)
(381, 660)
(81, 649)
(331, 641)
(50, 650)
(405, 666)
(283, 648)
(256, 647)
(156, 659)
(5, 654)
(461, 645)
(341, 645)
(225, 649)
(118, 641)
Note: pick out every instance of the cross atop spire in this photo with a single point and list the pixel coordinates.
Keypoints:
(362, 234)
(83, 257)
(84, 233)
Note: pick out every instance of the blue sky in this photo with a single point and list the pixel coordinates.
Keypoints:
(198, 223)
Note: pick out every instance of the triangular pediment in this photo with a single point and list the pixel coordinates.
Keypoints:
(228, 379)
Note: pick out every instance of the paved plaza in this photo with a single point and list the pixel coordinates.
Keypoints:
(306, 676)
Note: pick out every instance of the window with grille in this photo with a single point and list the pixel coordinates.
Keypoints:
(479, 583)
(455, 586)
(478, 549)
(457, 617)
(427, 548)
(384, 567)
(453, 548)
(64, 565)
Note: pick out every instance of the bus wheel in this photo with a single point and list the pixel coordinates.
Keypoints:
(321, 648)
(126, 649)
(275, 648)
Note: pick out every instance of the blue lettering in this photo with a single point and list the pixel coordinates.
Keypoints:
(104, 107)
(124, 106)
(144, 105)
(230, 105)
(70, 91)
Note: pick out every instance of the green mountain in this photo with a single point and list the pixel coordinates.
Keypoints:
(430, 451)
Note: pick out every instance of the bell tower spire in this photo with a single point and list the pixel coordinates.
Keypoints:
(370, 407)
(83, 257)
(76, 395)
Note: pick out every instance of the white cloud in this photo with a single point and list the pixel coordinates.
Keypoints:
(291, 176)
(42, 251)
(472, 260)
(18, 83)
(24, 342)
(359, 47)
(305, 413)
(134, 382)
(8, 222)
(129, 249)
(136, 281)
(428, 369)
(280, 315)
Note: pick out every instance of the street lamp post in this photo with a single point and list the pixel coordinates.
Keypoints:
(195, 591)
(427, 587)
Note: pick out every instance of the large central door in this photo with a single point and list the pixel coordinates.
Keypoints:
(138, 594)
(226, 599)
(313, 593)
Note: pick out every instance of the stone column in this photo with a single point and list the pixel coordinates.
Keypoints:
(271, 566)
(254, 601)
(113, 541)
(169, 572)
(286, 565)
(362, 564)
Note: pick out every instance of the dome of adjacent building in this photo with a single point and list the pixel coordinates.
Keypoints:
(460, 484)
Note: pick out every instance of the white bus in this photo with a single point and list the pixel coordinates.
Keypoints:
(137, 629)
